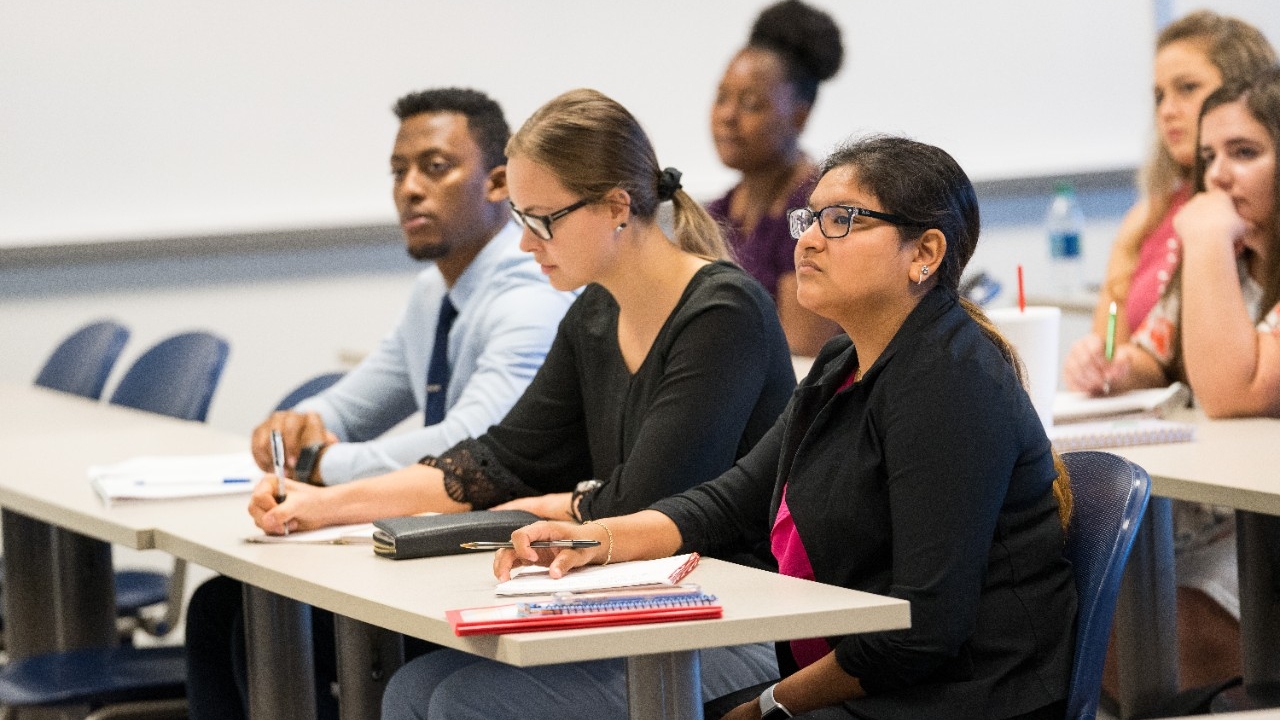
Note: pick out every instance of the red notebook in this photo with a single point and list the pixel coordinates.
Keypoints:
(514, 617)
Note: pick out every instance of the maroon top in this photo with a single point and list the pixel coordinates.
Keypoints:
(768, 252)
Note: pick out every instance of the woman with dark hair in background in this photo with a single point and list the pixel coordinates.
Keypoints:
(761, 107)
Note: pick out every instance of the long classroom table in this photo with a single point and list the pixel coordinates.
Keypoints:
(1234, 463)
(45, 486)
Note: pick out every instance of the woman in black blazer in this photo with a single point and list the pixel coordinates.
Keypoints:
(910, 463)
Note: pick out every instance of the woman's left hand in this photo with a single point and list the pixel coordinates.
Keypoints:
(554, 506)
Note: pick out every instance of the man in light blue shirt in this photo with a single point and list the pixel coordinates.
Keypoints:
(450, 191)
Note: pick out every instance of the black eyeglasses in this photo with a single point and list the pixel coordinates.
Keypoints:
(835, 220)
(541, 224)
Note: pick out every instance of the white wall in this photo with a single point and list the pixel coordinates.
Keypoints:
(162, 118)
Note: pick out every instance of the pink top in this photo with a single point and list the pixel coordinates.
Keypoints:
(793, 561)
(1157, 259)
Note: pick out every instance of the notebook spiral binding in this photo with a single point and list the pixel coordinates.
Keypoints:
(570, 608)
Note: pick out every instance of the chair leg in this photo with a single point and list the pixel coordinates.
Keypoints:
(148, 710)
(159, 627)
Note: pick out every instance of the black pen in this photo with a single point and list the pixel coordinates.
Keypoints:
(489, 545)
(277, 459)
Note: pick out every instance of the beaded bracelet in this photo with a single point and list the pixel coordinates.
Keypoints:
(609, 556)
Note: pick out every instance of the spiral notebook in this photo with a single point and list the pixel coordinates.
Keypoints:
(1119, 433)
(565, 612)
(533, 580)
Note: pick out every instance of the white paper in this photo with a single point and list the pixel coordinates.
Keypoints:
(531, 580)
(1153, 402)
(162, 477)
(357, 534)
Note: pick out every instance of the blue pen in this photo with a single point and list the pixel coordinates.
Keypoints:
(225, 481)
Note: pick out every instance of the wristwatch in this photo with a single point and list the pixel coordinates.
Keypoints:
(308, 461)
(771, 709)
(581, 489)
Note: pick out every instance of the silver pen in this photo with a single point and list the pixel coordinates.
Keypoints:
(490, 545)
(277, 459)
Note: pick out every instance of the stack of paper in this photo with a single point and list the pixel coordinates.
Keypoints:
(1071, 407)
(163, 477)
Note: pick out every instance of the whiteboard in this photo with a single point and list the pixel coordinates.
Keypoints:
(138, 119)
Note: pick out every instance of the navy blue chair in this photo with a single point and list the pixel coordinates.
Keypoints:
(1110, 496)
(314, 386)
(81, 363)
(176, 377)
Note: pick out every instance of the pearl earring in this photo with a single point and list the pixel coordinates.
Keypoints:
(619, 228)
(924, 273)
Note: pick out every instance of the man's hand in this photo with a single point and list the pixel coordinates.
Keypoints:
(298, 431)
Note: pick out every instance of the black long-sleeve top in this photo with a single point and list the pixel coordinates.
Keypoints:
(927, 480)
(714, 381)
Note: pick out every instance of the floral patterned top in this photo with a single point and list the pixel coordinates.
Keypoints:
(1196, 525)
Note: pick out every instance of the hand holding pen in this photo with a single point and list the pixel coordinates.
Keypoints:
(277, 459)
(1109, 349)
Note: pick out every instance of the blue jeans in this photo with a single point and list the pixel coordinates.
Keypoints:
(453, 685)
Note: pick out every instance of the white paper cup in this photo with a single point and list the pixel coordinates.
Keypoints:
(1034, 334)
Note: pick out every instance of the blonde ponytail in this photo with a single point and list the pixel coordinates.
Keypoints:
(696, 232)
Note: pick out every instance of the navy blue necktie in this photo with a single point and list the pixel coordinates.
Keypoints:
(438, 367)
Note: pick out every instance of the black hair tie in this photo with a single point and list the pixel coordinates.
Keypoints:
(668, 184)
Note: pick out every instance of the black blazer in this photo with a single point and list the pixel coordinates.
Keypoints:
(928, 480)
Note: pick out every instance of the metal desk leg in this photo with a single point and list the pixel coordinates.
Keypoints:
(85, 591)
(666, 685)
(30, 627)
(281, 666)
(367, 656)
(1146, 622)
(1259, 618)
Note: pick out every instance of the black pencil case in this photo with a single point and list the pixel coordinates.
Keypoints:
(404, 538)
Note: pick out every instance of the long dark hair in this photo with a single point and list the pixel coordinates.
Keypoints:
(925, 185)
(1261, 97)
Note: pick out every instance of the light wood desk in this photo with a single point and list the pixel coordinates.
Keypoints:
(46, 483)
(1235, 463)
(53, 520)
(411, 597)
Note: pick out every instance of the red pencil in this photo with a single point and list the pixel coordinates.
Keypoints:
(1022, 297)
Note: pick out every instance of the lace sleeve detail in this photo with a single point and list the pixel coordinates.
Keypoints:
(473, 475)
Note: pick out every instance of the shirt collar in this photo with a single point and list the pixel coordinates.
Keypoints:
(481, 267)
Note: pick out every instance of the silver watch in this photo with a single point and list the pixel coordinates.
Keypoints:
(771, 709)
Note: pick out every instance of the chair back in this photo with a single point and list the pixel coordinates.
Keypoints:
(176, 377)
(1110, 496)
(314, 386)
(81, 363)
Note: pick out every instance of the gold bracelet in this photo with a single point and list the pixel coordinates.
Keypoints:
(610, 532)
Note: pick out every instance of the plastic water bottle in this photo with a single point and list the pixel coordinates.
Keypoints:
(1065, 225)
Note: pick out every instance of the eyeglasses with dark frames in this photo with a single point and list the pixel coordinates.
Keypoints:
(835, 220)
(541, 224)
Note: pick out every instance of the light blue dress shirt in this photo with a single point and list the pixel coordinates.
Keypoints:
(507, 318)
